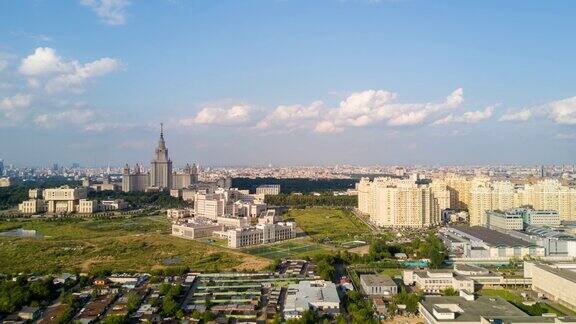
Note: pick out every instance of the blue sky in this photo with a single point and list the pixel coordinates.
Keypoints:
(288, 82)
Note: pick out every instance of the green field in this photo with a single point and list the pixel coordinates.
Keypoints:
(329, 225)
(292, 249)
(130, 244)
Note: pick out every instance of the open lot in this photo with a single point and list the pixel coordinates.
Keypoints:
(329, 225)
(129, 244)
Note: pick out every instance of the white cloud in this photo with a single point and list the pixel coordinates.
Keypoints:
(72, 116)
(291, 116)
(17, 101)
(222, 116)
(368, 107)
(61, 75)
(327, 127)
(43, 61)
(563, 111)
(111, 12)
(82, 72)
(517, 116)
(469, 117)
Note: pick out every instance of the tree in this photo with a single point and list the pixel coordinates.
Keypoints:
(449, 292)
(133, 300)
(115, 319)
(169, 306)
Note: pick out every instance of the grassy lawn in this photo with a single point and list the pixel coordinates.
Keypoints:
(131, 244)
(392, 272)
(335, 225)
(294, 249)
(504, 293)
(517, 299)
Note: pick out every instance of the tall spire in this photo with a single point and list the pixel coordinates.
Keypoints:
(161, 143)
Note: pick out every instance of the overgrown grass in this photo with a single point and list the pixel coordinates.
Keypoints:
(329, 225)
(131, 244)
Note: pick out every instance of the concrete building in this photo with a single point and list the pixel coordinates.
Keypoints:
(470, 310)
(319, 295)
(87, 206)
(547, 218)
(556, 281)
(33, 206)
(546, 194)
(134, 180)
(176, 214)
(398, 203)
(505, 220)
(196, 228)
(64, 199)
(259, 234)
(480, 243)
(459, 188)
(489, 196)
(5, 182)
(373, 284)
(435, 281)
(161, 165)
(161, 175)
(209, 205)
(268, 189)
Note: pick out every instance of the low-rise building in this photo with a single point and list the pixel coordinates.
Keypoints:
(176, 213)
(196, 228)
(483, 310)
(507, 220)
(259, 234)
(33, 206)
(545, 218)
(319, 295)
(556, 281)
(5, 182)
(268, 189)
(435, 281)
(378, 284)
(480, 243)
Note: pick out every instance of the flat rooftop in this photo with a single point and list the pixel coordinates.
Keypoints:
(377, 280)
(568, 274)
(472, 311)
(492, 237)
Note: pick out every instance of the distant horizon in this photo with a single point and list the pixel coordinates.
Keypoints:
(296, 82)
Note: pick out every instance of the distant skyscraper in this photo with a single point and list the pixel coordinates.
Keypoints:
(542, 173)
(161, 165)
(1, 167)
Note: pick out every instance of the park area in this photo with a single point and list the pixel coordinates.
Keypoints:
(125, 244)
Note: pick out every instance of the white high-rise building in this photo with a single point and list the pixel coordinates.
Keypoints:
(398, 203)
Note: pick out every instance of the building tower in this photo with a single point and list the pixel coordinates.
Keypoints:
(161, 165)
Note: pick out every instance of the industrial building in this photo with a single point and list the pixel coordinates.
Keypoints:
(481, 243)
(378, 284)
(318, 295)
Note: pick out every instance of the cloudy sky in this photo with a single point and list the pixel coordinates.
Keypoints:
(288, 81)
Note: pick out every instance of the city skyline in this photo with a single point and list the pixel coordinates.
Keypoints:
(287, 82)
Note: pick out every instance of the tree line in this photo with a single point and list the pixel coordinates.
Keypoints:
(311, 200)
